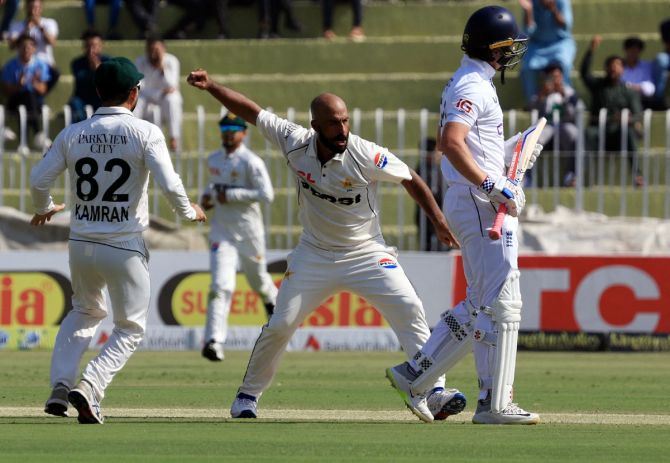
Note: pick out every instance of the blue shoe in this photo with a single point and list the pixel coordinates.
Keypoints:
(244, 406)
(445, 402)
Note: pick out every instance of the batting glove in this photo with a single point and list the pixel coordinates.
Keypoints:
(510, 144)
(504, 191)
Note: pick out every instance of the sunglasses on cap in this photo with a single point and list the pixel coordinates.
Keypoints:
(231, 128)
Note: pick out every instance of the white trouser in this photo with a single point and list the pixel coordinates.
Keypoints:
(487, 265)
(171, 108)
(311, 277)
(223, 260)
(125, 273)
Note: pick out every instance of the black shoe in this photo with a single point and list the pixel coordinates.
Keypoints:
(293, 24)
(269, 309)
(212, 351)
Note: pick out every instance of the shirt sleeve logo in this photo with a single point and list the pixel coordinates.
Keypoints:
(464, 105)
(385, 262)
(381, 160)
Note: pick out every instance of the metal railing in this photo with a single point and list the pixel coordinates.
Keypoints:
(614, 183)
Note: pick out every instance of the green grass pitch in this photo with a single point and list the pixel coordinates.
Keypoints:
(173, 406)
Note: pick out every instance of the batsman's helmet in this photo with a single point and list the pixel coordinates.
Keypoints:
(494, 28)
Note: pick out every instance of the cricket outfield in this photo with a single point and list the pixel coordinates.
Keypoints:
(327, 406)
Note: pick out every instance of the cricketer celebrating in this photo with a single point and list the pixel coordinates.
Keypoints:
(238, 181)
(471, 139)
(108, 158)
(341, 247)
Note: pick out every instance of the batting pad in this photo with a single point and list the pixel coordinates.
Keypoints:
(507, 316)
(505, 365)
(449, 342)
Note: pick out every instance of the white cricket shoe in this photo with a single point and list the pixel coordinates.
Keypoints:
(84, 399)
(443, 403)
(213, 351)
(244, 406)
(401, 377)
(57, 402)
(512, 414)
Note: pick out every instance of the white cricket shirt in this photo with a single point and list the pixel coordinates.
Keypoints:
(108, 158)
(337, 200)
(157, 80)
(470, 98)
(43, 51)
(247, 183)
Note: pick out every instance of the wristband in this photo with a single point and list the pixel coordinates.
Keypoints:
(487, 185)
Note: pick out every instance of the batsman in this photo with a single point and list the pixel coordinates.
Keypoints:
(475, 162)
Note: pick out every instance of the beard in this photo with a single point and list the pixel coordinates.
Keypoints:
(331, 143)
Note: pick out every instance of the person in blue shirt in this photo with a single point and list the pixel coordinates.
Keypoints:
(548, 24)
(24, 81)
(661, 66)
(83, 71)
(114, 13)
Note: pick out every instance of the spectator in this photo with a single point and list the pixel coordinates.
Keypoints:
(220, 10)
(160, 87)
(356, 33)
(556, 94)
(8, 15)
(24, 82)
(196, 13)
(662, 65)
(145, 15)
(269, 12)
(44, 31)
(637, 73)
(428, 169)
(83, 70)
(611, 92)
(549, 29)
(114, 12)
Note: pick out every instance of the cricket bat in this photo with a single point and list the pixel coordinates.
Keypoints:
(522, 152)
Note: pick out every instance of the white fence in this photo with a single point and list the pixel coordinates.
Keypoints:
(605, 182)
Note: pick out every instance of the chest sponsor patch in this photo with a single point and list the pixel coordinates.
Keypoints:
(381, 160)
(385, 262)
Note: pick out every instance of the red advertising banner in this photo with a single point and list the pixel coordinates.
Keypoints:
(591, 294)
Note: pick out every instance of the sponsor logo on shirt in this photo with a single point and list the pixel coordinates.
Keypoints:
(345, 201)
(464, 105)
(385, 262)
(307, 176)
(381, 160)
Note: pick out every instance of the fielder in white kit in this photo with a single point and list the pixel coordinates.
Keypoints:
(238, 182)
(472, 141)
(341, 247)
(108, 158)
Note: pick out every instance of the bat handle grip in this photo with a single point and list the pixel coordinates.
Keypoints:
(496, 229)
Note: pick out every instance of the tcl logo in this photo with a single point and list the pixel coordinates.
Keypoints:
(592, 294)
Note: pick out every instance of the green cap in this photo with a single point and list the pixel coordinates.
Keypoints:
(232, 122)
(116, 75)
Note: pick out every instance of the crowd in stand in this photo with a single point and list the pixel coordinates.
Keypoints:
(27, 78)
(630, 82)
